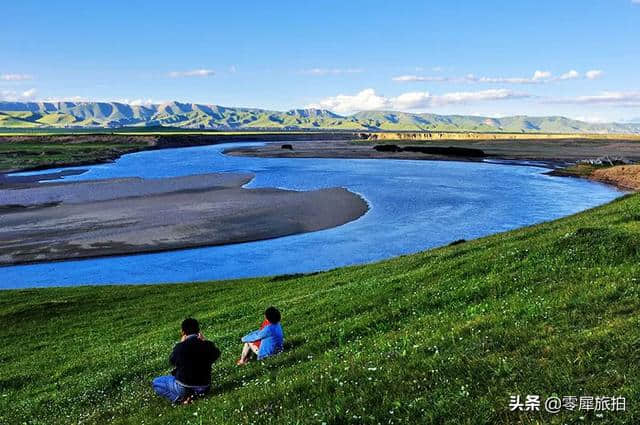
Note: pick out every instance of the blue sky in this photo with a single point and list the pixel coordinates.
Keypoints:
(574, 58)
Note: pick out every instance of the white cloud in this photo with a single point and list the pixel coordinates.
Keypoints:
(331, 71)
(570, 75)
(631, 98)
(499, 80)
(8, 95)
(29, 94)
(15, 77)
(596, 119)
(541, 75)
(538, 77)
(82, 99)
(367, 100)
(139, 102)
(13, 96)
(192, 73)
(594, 74)
(76, 99)
(412, 78)
(411, 100)
(477, 96)
(490, 114)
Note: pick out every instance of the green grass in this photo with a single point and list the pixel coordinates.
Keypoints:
(18, 120)
(34, 154)
(444, 336)
(148, 131)
(581, 170)
(57, 119)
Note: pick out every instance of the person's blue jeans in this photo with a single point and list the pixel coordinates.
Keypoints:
(169, 388)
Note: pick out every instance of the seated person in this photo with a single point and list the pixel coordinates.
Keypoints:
(192, 358)
(266, 341)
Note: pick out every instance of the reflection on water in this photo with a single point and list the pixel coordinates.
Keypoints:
(415, 205)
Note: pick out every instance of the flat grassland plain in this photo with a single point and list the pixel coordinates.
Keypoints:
(443, 336)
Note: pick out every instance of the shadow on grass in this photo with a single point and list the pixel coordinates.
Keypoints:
(285, 277)
(282, 360)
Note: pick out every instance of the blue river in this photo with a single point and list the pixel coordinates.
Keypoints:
(414, 205)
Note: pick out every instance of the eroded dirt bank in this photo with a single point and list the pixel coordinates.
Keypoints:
(624, 176)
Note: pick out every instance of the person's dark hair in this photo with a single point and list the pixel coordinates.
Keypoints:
(190, 326)
(272, 314)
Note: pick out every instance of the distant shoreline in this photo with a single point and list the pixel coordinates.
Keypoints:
(555, 155)
(73, 150)
(553, 151)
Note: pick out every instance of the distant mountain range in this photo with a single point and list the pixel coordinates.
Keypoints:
(196, 116)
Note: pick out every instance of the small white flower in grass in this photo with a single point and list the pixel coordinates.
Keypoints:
(373, 369)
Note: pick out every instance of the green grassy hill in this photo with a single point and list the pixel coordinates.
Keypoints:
(197, 116)
(444, 336)
(18, 120)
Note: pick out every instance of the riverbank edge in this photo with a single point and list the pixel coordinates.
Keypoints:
(154, 142)
(557, 167)
(602, 175)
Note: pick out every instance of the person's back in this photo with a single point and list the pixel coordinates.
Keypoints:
(272, 341)
(193, 359)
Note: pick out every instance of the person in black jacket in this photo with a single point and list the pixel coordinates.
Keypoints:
(192, 358)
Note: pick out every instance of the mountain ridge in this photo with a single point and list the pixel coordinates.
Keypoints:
(216, 117)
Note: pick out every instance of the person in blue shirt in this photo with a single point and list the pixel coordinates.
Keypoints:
(266, 341)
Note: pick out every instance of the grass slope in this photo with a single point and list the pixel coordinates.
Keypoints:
(444, 336)
(16, 120)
